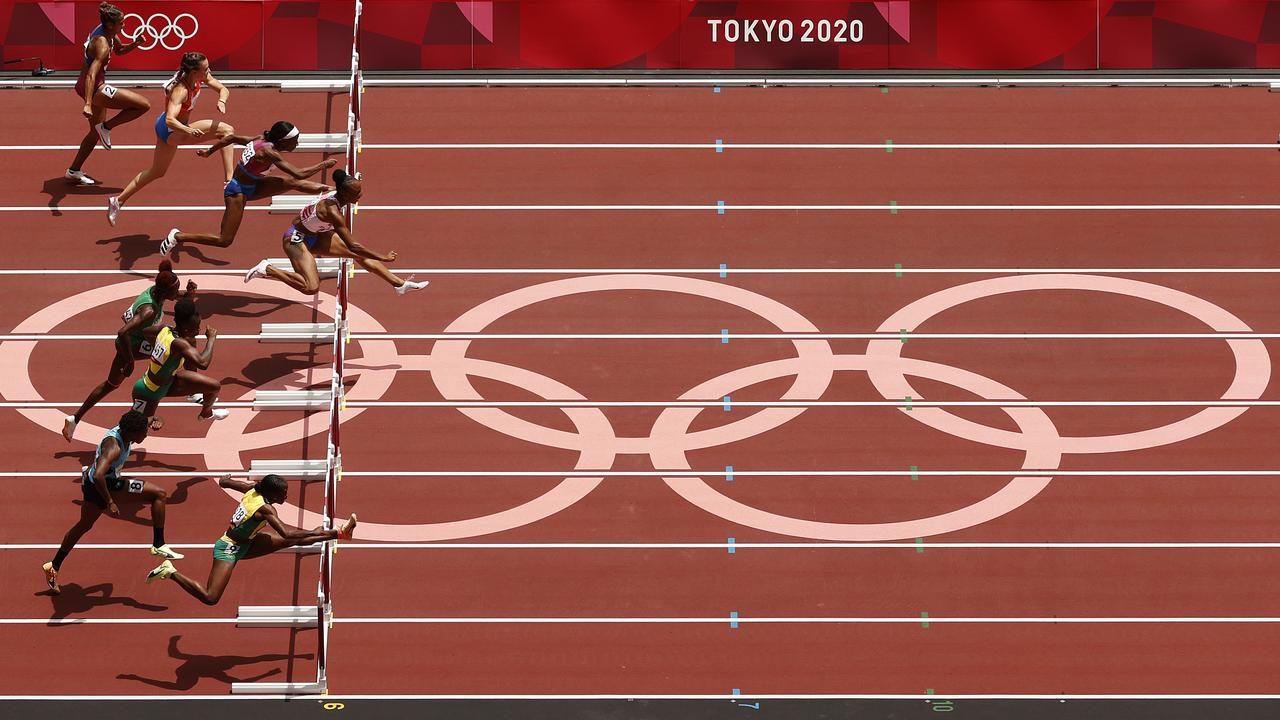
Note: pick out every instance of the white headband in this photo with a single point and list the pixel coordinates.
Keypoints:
(292, 134)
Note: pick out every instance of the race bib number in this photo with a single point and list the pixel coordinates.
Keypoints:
(128, 315)
(140, 405)
(246, 157)
(109, 91)
(158, 352)
(135, 486)
(145, 347)
(239, 516)
(296, 237)
(232, 549)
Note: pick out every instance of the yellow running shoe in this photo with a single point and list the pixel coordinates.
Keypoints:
(167, 552)
(161, 573)
(51, 578)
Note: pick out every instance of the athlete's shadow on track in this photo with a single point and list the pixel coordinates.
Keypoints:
(215, 667)
(132, 248)
(58, 189)
(133, 512)
(138, 461)
(262, 370)
(76, 600)
(214, 304)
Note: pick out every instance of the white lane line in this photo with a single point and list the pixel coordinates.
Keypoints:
(697, 271)
(328, 697)
(737, 146)
(867, 620)
(905, 405)
(506, 474)
(634, 696)
(669, 208)
(723, 546)
(722, 336)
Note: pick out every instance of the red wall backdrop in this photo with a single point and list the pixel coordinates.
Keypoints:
(691, 34)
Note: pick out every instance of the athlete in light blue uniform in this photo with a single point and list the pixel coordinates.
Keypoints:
(101, 484)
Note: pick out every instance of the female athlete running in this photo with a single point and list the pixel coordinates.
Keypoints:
(251, 182)
(174, 126)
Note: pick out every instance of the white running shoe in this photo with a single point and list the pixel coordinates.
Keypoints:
(113, 210)
(218, 414)
(167, 552)
(257, 271)
(79, 177)
(170, 242)
(69, 427)
(409, 286)
(197, 398)
(104, 134)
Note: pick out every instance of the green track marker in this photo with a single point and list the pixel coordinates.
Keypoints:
(928, 691)
(897, 270)
(915, 473)
(920, 550)
(893, 207)
(902, 334)
(908, 402)
(924, 622)
(884, 91)
(888, 145)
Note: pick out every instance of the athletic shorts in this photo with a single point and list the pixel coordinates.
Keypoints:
(230, 552)
(142, 392)
(107, 90)
(296, 235)
(114, 484)
(163, 130)
(235, 187)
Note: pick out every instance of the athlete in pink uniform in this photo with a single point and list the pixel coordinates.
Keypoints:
(174, 126)
(98, 95)
(251, 181)
(321, 231)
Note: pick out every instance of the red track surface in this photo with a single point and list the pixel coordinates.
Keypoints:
(695, 658)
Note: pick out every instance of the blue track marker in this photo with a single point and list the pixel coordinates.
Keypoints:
(720, 207)
(724, 270)
(716, 89)
(728, 473)
(719, 145)
(736, 691)
(733, 620)
(732, 549)
(724, 336)
(727, 403)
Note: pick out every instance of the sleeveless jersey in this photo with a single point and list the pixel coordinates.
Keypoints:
(164, 363)
(248, 163)
(137, 340)
(192, 94)
(243, 526)
(311, 218)
(97, 32)
(114, 471)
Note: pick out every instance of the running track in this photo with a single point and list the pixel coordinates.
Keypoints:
(378, 648)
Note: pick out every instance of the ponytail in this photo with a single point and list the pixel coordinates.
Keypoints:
(108, 13)
(166, 278)
(190, 61)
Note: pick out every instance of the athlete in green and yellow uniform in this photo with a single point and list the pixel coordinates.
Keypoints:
(142, 321)
(244, 537)
(173, 349)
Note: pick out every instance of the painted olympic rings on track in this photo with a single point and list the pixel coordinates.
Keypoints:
(670, 438)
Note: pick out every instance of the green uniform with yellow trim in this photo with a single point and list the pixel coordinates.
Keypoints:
(237, 541)
(155, 383)
(138, 341)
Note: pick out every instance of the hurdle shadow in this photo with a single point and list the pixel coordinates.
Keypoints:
(77, 600)
(139, 460)
(192, 668)
(59, 189)
(262, 370)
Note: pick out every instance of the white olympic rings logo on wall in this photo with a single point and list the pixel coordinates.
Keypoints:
(159, 28)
